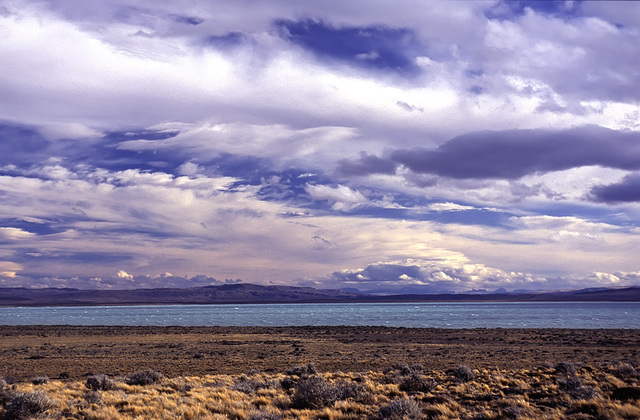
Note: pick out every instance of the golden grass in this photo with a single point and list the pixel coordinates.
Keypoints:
(532, 393)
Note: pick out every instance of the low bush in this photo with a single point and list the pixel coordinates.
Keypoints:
(464, 373)
(404, 369)
(314, 392)
(626, 371)
(100, 383)
(249, 386)
(40, 380)
(401, 409)
(144, 377)
(93, 397)
(303, 371)
(417, 382)
(566, 368)
(25, 405)
(626, 393)
(266, 416)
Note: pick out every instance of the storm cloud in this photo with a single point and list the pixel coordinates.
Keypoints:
(512, 154)
(625, 191)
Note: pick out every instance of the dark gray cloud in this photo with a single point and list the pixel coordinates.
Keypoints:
(627, 190)
(512, 154)
(365, 165)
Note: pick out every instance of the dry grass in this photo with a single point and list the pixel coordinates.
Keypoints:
(317, 373)
(545, 392)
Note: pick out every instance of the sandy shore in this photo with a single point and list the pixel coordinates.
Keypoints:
(74, 351)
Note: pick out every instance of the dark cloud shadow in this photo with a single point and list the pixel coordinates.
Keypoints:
(365, 165)
(625, 191)
(513, 154)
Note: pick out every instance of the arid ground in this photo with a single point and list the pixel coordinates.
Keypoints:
(28, 351)
(426, 373)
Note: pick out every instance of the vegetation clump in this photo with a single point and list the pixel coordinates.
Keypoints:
(401, 409)
(100, 383)
(39, 380)
(464, 373)
(26, 405)
(303, 371)
(314, 392)
(144, 377)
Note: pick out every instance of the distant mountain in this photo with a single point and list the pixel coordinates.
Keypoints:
(253, 293)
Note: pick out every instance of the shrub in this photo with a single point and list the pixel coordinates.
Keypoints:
(5, 394)
(573, 385)
(93, 397)
(464, 373)
(405, 369)
(24, 405)
(512, 412)
(566, 368)
(626, 393)
(144, 377)
(417, 383)
(303, 371)
(401, 409)
(288, 382)
(100, 383)
(314, 392)
(249, 386)
(266, 416)
(40, 380)
(625, 370)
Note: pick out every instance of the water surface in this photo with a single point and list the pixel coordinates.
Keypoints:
(439, 315)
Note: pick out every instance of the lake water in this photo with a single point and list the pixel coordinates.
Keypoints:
(439, 315)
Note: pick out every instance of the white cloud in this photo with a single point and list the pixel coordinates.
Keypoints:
(14, 234)
(57, 131)
(342, 197)
(121, 274)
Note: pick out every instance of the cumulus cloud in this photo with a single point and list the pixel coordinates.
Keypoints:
(341, 197)
(430, 276)
(124, 275)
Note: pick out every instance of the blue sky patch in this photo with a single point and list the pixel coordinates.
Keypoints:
(376, 47)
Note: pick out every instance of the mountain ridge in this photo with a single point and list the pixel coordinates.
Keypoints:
(254, 293)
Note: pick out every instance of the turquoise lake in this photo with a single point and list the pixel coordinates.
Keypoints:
(414, 315)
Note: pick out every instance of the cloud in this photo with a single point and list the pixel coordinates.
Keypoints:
(449, 207)
(365, 165)
(68, 131)
(13, 234)
(429, 276)
(342, 197)
(514, 154)
(625, 191)
(177, 137)
(124, 275)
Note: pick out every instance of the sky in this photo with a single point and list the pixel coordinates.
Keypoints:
(385, 146)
